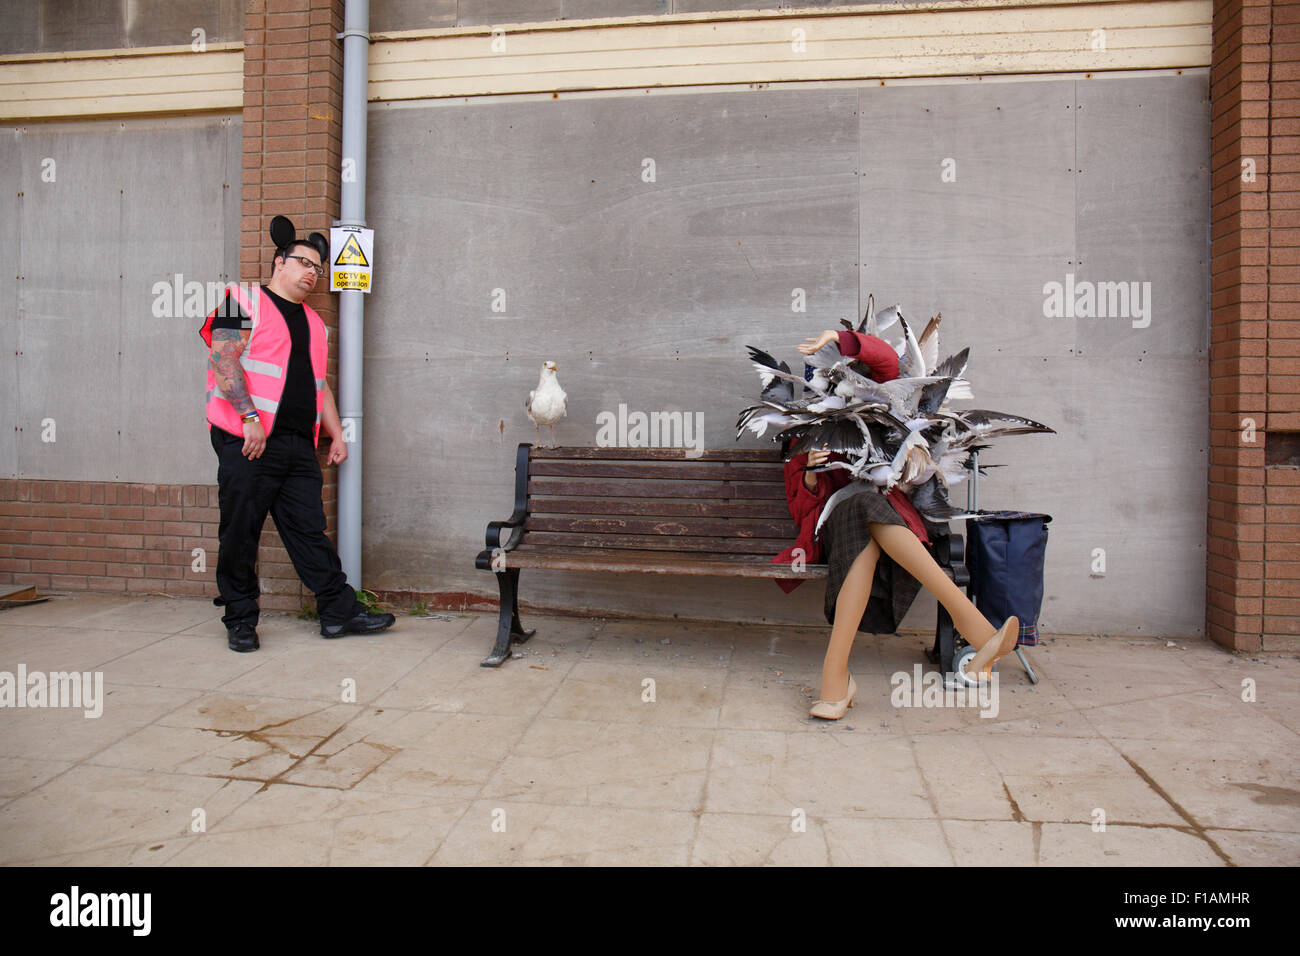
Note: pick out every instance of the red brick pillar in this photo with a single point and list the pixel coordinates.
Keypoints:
(1253, 561)
(293, 96)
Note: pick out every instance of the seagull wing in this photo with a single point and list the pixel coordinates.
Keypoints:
(774, 388)
(868, 317)
(931, 502)
(844, 435)
(883, 321)
(929, 343)
(848, 491)
(911, 363)
(981, 424)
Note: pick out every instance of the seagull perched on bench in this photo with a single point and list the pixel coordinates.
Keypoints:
(546, 403)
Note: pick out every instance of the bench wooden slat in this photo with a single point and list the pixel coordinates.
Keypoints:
(656, 542)
(751, 490)
(646, 470)
(666, 507)
(772, 454)
(658, 562)
(670, 526)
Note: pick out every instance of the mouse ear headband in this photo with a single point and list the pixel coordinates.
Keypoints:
(282, 233)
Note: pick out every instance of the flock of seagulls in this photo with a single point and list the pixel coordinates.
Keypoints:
(900, 434)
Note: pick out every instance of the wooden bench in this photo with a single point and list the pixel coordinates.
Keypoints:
(652, 511)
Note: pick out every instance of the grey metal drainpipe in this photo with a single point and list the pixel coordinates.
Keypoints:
(356, 57)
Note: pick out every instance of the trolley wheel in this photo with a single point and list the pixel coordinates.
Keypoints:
(960, 660)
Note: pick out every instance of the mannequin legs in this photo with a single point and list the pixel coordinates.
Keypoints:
(852, 601)
(910, 554)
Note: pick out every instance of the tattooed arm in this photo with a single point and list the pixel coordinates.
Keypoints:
(227, 345)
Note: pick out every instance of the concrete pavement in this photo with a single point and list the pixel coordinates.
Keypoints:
(625, 742)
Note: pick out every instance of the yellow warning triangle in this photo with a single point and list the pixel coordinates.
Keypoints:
(351, 254)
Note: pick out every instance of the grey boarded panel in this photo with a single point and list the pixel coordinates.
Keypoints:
(717, 6)
(173, 165)
(1143, 217)
(82, 24)
(171, 22)
(593, 9)
(69, 296)
(34, 26)
(1123, 474)
(231, 186)
(799, 4)
(977, 248)
(753, 199)
(20, 28)
(392, 15)
(645, 294)
(10, 316)
(476, 12)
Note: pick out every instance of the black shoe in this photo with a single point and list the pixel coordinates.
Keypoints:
(242, 638)
(364, 623)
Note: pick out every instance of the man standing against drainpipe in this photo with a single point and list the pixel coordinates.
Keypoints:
(267, 401)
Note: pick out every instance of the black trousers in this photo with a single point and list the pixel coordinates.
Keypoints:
(286, 483)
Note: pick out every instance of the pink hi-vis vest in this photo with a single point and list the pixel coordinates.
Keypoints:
(265, 361)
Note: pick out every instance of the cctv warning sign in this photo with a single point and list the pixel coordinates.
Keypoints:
(352, 254)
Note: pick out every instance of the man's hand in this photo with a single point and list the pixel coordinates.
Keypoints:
(812, 345)
(254, 440)
(338, 452)
(330, 424)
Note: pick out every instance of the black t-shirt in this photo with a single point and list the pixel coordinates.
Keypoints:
(297, 413)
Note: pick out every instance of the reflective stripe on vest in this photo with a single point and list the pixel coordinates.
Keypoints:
(262, 368)
(264, 404)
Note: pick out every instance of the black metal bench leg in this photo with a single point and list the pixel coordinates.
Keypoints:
(945, 642)
(509, 629)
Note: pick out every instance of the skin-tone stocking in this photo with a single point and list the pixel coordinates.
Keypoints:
(909, 553)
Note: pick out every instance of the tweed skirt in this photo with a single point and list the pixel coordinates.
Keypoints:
(844, 536)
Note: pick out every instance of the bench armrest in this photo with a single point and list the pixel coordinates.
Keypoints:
(492, 539)
(950, 553)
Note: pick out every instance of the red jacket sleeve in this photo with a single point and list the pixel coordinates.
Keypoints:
(805, 507)
(875, 353)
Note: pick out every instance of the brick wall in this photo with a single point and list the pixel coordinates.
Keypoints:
(1253, 525)
(108, 536)
(293, 91)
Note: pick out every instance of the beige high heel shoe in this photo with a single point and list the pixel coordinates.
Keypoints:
(834, 710)
(1002, 643)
